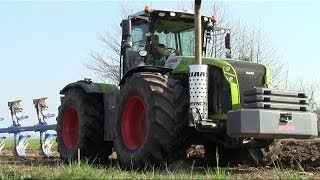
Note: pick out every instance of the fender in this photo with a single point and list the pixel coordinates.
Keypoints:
(90, 87)
(144, 69)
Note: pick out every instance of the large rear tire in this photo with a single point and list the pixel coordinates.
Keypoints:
(151, 117)
(80, 126)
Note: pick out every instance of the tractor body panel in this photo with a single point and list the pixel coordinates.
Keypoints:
(110, 101)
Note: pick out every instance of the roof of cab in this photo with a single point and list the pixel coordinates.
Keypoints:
(143, 13)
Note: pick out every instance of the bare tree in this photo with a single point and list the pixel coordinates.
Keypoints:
(249, 43)
(252, 44)
(106, 63)
(311, 88)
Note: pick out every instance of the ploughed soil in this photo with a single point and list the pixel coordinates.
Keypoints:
(34, 157)
(295, 153)
(306, 152)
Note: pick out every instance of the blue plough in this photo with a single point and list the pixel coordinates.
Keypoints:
(21, 141)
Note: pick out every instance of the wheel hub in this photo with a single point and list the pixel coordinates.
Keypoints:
(133, 123)
(70, 127)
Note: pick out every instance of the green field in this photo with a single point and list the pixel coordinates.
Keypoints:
(33, 144)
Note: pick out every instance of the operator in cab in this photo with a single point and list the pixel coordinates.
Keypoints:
(156, 48)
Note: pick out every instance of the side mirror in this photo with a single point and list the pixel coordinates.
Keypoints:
(227, 41)
(126, 33)
(126, 27)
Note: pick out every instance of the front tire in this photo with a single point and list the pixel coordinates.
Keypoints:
(151, 117)
(80, 125)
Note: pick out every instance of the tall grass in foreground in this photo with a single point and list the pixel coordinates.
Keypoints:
(220, 173)
(89, 171)
(37, 169)
(282, 172)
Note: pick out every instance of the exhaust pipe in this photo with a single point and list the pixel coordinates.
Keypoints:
(197, 26)
(198, 76)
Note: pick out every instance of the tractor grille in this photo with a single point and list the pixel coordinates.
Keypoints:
(249, 75)
(219, 94)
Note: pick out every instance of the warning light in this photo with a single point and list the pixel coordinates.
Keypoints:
(213, 19)
(147, 9)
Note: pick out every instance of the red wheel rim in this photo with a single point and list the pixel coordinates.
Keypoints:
(133, 123)
(70, 127)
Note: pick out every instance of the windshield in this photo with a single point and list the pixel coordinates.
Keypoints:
(182, 42)
(178, 35)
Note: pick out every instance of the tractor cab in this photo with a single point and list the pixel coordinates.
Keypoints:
(151, 36)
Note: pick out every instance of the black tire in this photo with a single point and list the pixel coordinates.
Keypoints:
(164, 103)
(265, 155)
(80, 124)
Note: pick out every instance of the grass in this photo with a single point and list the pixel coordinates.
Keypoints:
(33, 144)
(283, 172)
(88, 171)
(17, 168)
(85, 170)
(38, 170)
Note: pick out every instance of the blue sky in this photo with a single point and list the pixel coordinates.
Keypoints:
(45, 45)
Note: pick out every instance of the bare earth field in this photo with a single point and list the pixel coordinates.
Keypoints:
(299, 159)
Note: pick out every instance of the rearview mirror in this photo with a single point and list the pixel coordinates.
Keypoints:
(126, 33)
(227, 41)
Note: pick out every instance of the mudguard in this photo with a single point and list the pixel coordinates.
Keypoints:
(144, 69)
(90, 87)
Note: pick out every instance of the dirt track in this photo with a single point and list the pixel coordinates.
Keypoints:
(306, 152)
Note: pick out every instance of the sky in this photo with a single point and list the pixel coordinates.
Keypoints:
(44, 45)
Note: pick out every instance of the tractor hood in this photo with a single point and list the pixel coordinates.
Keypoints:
(240, 75)
(253, 73)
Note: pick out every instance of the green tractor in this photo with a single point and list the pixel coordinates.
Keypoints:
(175, 91)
